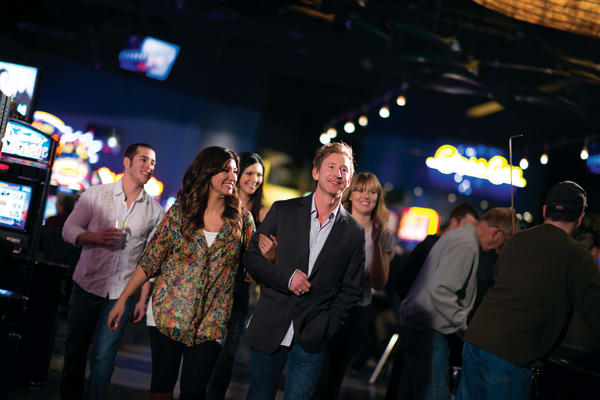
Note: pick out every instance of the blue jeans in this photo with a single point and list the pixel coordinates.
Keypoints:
(87, 320)
(301, 377)
(486, 376)
(425, 370)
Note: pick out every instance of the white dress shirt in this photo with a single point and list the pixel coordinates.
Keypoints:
(104, 270)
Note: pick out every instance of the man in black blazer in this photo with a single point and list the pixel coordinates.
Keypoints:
(309, 288)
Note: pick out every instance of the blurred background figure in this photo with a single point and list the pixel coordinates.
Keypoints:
(590, 239)
(438, 303)
(579, 333)
(52, 245)
(460, 215)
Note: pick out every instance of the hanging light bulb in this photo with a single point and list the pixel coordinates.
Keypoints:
(112, 142)
(363, 120)
(584, 153)
(331, 132)
(524, 164)
(401, 101)
(349, 127)
(544, 159)
(384, 112)
(324, 138)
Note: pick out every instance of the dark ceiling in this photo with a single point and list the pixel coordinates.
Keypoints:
(320, 62)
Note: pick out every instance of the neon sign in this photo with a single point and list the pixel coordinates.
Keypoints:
(153, 187)
(71, 172)
(84, 145)
(24, 141)
(496, 170)
(593, 163)
(417, 223)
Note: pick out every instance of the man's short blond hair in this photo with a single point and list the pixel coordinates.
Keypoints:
(333, 148)
(501, 217)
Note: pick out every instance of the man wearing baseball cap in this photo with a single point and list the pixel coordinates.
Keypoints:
(542, 275)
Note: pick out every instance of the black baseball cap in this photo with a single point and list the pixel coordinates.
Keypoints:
(566, 197)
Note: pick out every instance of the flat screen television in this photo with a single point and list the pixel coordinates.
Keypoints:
(150, 56)
(18, 81)
(15, 200)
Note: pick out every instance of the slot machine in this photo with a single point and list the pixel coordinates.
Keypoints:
(26, 159)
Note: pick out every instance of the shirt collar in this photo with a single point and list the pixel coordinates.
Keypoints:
(117, 190)
(313, 209)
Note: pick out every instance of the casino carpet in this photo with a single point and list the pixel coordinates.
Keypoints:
(133, 368)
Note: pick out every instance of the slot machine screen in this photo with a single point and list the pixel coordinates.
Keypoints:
(15, 199)
(50, 210)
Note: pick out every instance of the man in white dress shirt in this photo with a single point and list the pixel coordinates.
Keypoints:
(112, 223)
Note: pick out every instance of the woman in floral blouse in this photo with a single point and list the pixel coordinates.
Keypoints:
(194, 255)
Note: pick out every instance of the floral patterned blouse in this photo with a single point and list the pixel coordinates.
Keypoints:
(193, 292)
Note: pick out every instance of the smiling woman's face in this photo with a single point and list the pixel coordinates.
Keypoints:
(224, 182)
(251, 179)
(364, 199)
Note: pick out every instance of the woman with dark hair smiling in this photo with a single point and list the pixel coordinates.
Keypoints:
(250, 189)
(250, 185)
(194, 256)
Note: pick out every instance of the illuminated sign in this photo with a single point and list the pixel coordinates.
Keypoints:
(84, 145)
(153, 187)
(593, 163)
(71, 172)
(24, 141)
(417, 223)
(496, 170)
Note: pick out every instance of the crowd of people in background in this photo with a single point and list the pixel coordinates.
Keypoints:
(480, 295)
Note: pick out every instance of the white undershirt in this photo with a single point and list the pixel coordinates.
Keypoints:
(210, 238)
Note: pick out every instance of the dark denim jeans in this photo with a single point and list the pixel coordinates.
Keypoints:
(302, 373)
(486, 376)
(87, 320)
(425, 370)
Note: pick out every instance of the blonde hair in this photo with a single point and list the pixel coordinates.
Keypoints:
(331, 148)
(367, 180)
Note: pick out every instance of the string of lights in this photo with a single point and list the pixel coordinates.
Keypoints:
(352, 121)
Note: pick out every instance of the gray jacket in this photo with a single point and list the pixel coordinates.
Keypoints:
(444, 292)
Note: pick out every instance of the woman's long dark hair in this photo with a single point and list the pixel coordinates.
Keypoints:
(193, 196)
(256, 200)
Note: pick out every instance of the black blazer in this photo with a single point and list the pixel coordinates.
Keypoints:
(335, 278)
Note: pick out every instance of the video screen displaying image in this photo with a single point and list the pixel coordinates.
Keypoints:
(18, 81)
(14, 204)
(20, 139)
(50, 210)
(150, 56)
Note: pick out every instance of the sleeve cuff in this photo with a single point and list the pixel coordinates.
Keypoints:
(71, 233)
(290, 280)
